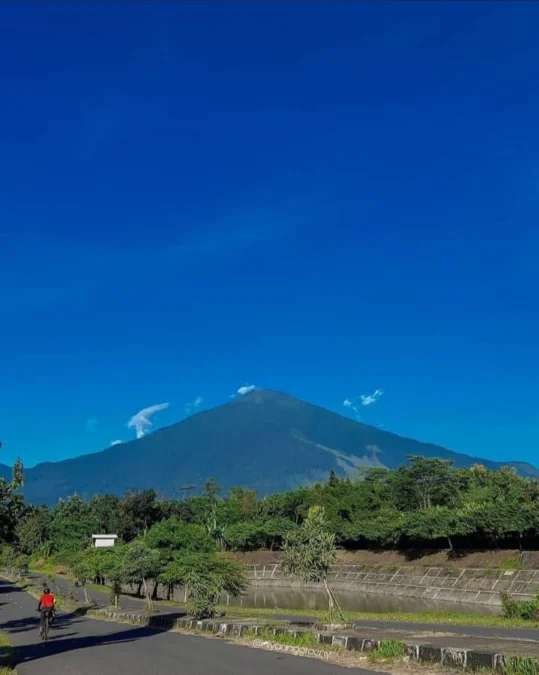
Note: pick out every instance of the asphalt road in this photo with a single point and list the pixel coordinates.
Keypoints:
(82, 646)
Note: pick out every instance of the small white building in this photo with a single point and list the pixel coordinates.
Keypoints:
(104, 540)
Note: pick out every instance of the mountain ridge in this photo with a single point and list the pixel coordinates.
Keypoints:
(266, 440)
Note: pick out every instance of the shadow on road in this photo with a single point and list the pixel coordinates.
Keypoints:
(73, 641)
(61, 622)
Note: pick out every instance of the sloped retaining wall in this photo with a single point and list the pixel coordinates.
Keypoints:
(473, 586)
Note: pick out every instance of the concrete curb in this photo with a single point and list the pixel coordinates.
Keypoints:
(469, 659)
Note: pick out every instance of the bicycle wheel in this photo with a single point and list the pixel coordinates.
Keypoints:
(46, 628)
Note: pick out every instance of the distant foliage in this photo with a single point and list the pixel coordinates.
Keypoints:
(425, 502)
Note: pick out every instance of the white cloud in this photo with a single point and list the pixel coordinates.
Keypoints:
(246, 389)
(369, 399)
(91, 424)
(141, 421)
(347, 403)
(116, 442)
(192, 406)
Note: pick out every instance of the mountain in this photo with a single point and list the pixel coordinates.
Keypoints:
(267, 441)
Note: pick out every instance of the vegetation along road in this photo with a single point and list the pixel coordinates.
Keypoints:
(82, 646)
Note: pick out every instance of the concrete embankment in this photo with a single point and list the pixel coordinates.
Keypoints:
(470, 586)
(481, 587)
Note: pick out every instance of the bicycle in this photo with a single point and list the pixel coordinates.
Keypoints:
(44, 629)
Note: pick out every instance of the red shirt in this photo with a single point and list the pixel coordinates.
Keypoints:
(47, 601)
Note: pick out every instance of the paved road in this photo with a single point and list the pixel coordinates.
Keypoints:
(82, 646)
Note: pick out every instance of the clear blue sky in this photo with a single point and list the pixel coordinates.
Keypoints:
(326, 199)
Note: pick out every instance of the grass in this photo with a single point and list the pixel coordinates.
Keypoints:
(510, 564)
(521, 665)
(388, 650)
(6, 656)
(442, 618)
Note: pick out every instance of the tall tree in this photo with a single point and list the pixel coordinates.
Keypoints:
(309, 552)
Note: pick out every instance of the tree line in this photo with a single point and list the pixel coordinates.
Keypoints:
(423, 502)
(181, 541)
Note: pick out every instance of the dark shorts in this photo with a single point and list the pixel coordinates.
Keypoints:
(44, 613)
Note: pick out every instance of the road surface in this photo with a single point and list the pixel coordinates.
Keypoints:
(82, 646)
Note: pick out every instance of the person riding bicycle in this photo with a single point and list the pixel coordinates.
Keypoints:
(45, 608)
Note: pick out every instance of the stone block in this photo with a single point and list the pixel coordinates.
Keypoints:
(480, 660)
(339, 641)
(454, 658)
(412, 652)
(499, 662)
(369, 645)
(354, 644)
(430, 654)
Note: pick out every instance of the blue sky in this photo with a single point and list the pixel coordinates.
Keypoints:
(326, 199)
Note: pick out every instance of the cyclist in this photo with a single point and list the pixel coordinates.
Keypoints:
(45, 608)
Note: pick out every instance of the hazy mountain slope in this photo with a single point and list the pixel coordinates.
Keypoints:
(266, 440)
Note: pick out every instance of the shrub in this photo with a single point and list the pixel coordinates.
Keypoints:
(528, 610)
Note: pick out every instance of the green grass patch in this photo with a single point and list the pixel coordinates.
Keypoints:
(521, 665)
(388, 650)
(442, 618)
(510, 564)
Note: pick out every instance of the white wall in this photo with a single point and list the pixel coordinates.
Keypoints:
(103, 543)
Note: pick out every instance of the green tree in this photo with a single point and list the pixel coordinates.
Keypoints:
(72, 525)
(83, 568)
(423, 483)
(309, 552)
(109, 565)
(171, 536)
(137, 512)
(11, 502)
(206, 577)
(141, 563)
(33, 531)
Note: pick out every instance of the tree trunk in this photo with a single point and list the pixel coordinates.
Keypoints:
(139, 590)
(155, 589)
(87, 598)
(332, 601)
(147, 594)
(450, 543)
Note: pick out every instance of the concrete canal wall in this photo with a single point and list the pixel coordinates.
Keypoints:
(470, 586)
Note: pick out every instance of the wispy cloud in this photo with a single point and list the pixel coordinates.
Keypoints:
(142, 421)
(369, 399)
(246, 389)
(116, 442)
(347, 403)
(364, 400)
(192, 406)
(91, 424)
